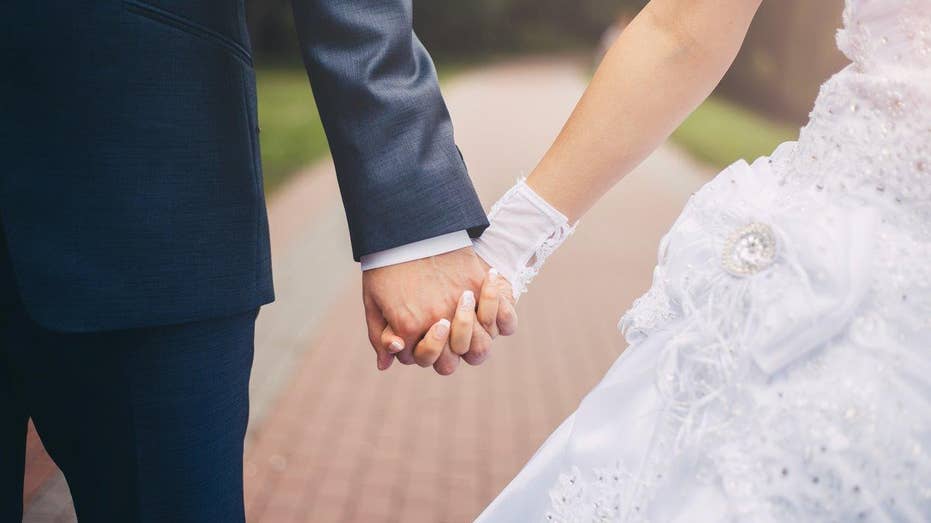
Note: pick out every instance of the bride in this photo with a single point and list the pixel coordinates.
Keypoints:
(778, 368)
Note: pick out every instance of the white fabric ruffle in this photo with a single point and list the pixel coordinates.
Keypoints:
(798, 393)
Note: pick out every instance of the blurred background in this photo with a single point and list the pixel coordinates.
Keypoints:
(332, 440)
(789, 52)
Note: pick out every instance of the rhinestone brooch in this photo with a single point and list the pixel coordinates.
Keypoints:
(749, 250)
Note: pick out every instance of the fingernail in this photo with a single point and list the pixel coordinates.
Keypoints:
(467, 301)
(492, 274)
(441, 329)
(396, 346)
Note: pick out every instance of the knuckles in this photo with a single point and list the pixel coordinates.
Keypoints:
(425, 357)
(423, 362)
(408, 327)
(458, 347)
(406, 358)
(444, 369)
(479, 350)
(474, 358)
(508, 322)
(411, 323)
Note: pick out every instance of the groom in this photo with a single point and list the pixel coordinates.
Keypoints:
(134, 250)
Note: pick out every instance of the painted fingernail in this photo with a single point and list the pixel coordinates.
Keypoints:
(441, 329)
(467, 301)
(396, 346)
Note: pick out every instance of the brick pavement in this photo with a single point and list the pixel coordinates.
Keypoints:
(331, 439)
(344, 443)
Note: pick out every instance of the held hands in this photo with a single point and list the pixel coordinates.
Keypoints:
(425, 311)
(470, 333)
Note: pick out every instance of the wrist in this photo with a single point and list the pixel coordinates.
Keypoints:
(525, 229)
(416, 250)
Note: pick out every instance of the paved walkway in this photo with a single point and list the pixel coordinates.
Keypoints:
(332, 440)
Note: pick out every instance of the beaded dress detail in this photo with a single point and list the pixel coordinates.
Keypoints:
(779, 367)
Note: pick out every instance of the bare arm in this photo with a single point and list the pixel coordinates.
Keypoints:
(664, 64)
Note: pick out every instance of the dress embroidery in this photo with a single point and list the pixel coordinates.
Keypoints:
(789, 388)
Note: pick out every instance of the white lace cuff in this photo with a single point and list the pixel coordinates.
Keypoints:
(524, 231)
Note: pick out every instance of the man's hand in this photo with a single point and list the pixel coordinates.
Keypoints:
(405, 301)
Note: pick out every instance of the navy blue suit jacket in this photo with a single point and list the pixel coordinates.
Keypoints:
(131, 188)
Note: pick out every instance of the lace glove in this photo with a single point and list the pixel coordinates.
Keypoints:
(524, 231)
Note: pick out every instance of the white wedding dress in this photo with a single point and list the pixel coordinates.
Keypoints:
(779, 368)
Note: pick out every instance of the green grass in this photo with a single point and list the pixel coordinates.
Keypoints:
(292, 135)
(720, 132)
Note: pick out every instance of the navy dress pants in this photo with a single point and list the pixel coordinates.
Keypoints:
(146, 424)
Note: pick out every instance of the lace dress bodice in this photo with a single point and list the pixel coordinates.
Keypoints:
(880, 36)
(867, 144)
(870, 133)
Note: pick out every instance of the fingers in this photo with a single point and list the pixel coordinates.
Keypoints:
(428, 351)
(407, 331)
(445, 341)
(447, 362)
(461, 332)
(507, 318)
(392, 343)
(488, 304)
(507, 311)
(376, 325)
(406, 356)
(479, 347)
(396, 346)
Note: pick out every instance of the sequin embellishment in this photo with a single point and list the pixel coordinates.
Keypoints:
(749, 250)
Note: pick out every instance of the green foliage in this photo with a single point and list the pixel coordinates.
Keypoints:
(292, 135)
(789, 51)
(465, 28)
(788, 54)
(720, 132)
(480, 27)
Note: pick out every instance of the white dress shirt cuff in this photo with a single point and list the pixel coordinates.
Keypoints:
(417, 250)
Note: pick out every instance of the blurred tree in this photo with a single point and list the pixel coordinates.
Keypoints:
(790, 49)
(463, 29)
(479, 27)
(789, 53)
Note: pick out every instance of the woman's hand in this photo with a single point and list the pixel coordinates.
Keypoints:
(497, 305)
(473, 327)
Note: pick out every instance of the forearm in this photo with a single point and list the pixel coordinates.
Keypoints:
(664, 64)
(401, 177)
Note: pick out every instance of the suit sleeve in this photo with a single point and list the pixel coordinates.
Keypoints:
(400, 173)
